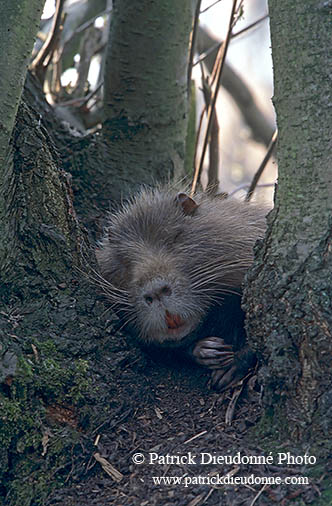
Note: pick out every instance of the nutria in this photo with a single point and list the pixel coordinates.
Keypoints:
(174, 268)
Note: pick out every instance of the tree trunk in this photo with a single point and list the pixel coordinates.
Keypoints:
(146, 103)
(288, 300)
(39, 231)
(19, 25)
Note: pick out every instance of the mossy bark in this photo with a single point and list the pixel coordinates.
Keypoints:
(18, 27)
(42, 232)
(53, 326)
(288, 300)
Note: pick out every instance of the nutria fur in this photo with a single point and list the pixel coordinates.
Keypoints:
(174, 268)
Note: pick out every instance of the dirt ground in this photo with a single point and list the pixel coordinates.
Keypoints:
(160, 413)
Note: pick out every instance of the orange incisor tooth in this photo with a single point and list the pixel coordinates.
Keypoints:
(173, 321)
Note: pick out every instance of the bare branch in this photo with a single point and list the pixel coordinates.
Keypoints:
(193, 44)
(249, 27)
(39, 64)
(262, 128)
(221, 59)
(214, 148)
(245, 186)
(262, 166)
(210, 6)
(92, 20)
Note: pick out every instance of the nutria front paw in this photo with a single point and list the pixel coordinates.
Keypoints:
(212, 352)
(228, 367)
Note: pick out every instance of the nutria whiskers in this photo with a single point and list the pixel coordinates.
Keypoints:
(174, 268)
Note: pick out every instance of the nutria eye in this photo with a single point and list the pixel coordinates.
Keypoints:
(148, 299)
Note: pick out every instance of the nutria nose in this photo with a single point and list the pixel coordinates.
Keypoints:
(158, 294)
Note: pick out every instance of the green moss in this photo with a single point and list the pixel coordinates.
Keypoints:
(43, 381)
(269, 425)
(326, 498)
(39, 473)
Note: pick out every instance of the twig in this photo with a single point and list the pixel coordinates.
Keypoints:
(91, 21)
(81, 101)
(259, 493)
(209, 7)
(199, 132)
(39, 64)
(203, 56)
(108, 468)
(207, 53)
(213, 181)
(262, 166)
(238, 14)
(231, 406)
(221, 59)
(195, 437)
(55, 80)
(249, 27)
(245, 186)
(261, 126)
(193, 44)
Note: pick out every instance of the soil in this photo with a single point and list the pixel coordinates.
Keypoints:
(162, 410)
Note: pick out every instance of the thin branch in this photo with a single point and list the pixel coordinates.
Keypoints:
(259, 493)
(91, 21)
(245, 186)
(249, 27)
(261, 126)
(207, 53)
(198, 132)
(221, 59)
(193, 44)
(81, 101)
(39, 64)
(238, 14)
(209, 7)
(262, 166)
(203, 56)
(213, 181)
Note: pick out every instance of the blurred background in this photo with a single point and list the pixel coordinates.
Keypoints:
(76, 97)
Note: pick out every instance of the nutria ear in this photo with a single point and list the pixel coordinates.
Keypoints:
(188, 204)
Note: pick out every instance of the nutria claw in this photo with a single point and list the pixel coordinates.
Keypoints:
(222, 379)
(212, 352)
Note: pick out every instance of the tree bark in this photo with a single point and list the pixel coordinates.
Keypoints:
(37, 222)
(40, 230)
(19, 25)
(288, 300)
(146, 103)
